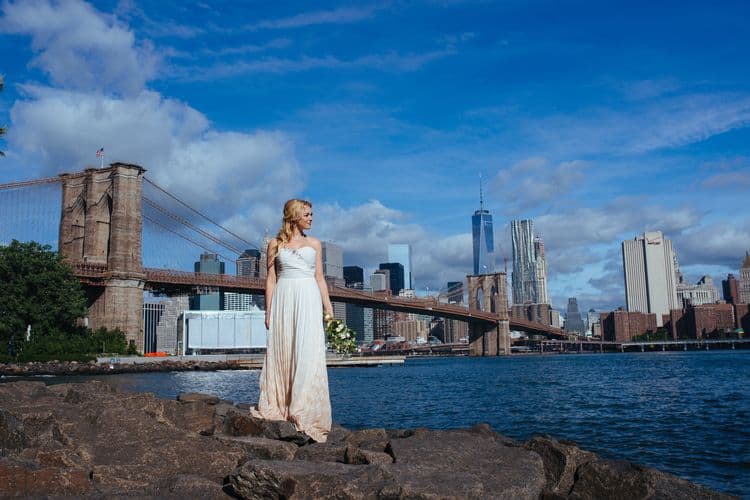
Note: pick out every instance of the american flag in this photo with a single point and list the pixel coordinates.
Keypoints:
(100, 153)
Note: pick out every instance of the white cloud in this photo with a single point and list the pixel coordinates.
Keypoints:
(391, 61)
(651, 125)
(223, 171)
(364, 232)
(534, 181)
(79, 47)
(342, 15)
(728, 180)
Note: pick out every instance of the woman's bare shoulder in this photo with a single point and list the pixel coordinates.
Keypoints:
(313, 242)
(273, 244)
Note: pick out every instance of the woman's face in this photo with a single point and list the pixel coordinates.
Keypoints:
(305, 218)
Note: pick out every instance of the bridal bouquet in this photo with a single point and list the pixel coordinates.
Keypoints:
(340, 337)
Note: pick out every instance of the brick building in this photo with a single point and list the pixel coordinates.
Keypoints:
(622, 326)
(708, 320)
(730, 289)
(531, 312)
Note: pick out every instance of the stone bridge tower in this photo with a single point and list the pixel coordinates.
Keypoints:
(101, 228)
(489, 293)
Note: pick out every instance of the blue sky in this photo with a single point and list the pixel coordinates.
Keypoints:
(598, 120)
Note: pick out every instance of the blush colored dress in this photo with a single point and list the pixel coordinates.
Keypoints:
(294, 379)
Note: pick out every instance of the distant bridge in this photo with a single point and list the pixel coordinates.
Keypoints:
(100, 236)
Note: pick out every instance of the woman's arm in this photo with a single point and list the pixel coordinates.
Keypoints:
(273, 247)
(320, 277)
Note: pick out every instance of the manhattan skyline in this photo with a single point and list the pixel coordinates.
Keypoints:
(599, 122)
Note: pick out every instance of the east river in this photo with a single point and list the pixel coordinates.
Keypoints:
(687, 413)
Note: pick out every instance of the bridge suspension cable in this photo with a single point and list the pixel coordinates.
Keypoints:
(34, 182)
(187, 238)
(187, 223)
(201, 214)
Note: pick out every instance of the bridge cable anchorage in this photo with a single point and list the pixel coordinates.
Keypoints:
(35, 182)
(190, 225)
(187, 238)
(186, 205)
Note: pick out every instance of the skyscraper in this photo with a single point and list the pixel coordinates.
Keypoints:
(209, 263)
(401, 253)
(455, 292)
(355, 314)
(743, 286)
(379, 280)
(483, 238)
(396, 277)
(333, 269)
(529, 280)
(573, 321)
(354, 275)
(730, 288)
(650, 277)
(333, 260)
(249, 265)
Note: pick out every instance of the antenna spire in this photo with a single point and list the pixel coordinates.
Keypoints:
(481, 196)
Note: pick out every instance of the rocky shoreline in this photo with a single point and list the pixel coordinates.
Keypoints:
(62, 368)
(88, 440)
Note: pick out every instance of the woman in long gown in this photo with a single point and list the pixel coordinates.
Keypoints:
(294, 380)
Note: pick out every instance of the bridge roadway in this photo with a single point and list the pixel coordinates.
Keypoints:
(169, 281)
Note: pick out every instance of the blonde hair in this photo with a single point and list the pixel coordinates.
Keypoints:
(292, 213)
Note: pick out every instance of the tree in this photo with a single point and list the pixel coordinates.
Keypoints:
(38, 289)
(2, 128)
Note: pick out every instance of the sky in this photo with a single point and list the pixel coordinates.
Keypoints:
(598, 120)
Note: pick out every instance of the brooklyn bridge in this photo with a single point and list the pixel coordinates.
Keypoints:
(103, 212)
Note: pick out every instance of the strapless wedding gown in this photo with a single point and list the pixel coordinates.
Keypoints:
(294, 380)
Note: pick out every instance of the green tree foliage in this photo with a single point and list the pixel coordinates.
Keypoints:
(38, 289)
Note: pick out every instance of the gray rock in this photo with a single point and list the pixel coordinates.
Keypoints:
(12, 435)
(398, 433)
(561, 461)
(486, 430)
(285, 431)
(196, 416)
(321, 452)
(187, 486)
(464, 464)
(241, 424)
(368, 439)
(18, 479)
(195, 397)
(297, 479)
(358, 456)
(263, 448)
(337, 434)
(618, 479)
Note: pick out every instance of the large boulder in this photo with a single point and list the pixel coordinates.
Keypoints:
(29, 480)
(87, 437)
(12, 436)
(238, 423)
(321, 452)
(561, 462)
(621, 480)
(464, 464)
(297, 479)
(263, 448)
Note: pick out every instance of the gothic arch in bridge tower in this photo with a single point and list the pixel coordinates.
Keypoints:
(488, 292)
(101, 228)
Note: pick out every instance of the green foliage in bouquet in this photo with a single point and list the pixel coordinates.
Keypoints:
(340, 337)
